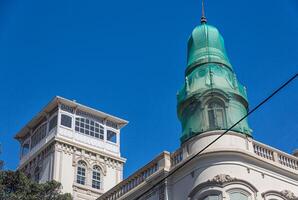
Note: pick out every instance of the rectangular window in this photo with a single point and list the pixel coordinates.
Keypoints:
(89, 127)
(66, 120)
(53, 123)
(111, 136)
(38, 134)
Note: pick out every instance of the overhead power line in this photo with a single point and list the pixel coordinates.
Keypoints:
(221, 135)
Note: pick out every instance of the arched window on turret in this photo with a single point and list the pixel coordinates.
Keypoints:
(216, 114)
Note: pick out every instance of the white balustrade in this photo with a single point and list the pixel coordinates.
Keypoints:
(136, 179)
(176, 157)
(275, 155)
(287, 161)
(263, 151)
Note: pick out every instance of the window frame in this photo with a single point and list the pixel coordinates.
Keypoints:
(206, 196)
(82, 169)
(50, 120)
(222, 108)
(38, 135)
(81, 124)
(97, 181)
(70, 117)
(27, 143)
(239, 190)
(202, 194)
(116, 136)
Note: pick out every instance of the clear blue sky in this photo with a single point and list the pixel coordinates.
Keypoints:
(128, 58)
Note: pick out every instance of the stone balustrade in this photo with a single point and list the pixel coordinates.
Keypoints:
(275, 155)
(288, 161)
(176, 157)
(159, 164)
(263, 151)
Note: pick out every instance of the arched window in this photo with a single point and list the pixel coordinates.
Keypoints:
(81, 172)
(216, 115)
(96, 177)
(36, 174)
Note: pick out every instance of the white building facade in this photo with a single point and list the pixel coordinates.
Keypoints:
(75, 145)
(236, 167)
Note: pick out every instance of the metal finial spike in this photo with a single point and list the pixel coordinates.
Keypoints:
(203, 18)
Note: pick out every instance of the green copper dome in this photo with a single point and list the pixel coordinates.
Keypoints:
(206, 45)
(211, 97)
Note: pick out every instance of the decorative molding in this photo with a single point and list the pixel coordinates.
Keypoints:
(286, 194)
(221, 179)
(101, 165)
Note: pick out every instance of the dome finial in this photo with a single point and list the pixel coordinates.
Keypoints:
(203, 18)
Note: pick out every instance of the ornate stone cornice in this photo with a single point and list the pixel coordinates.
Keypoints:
(221, 179)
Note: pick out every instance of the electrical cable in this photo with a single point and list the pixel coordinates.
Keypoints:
(221, 135)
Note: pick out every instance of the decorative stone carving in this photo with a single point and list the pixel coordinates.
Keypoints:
(288, 194)
(222, 178)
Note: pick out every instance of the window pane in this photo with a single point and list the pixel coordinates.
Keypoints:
(38, 135)
(216, 115)
(211, 119)
(81, 172)
(212, 197)
(238, 196)
(89, 127)
(25, 149)
(219, 118)
(66, 120)
(111, 136)
(53, 123)
(96, 179)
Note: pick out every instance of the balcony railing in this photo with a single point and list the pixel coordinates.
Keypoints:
(263, 151)
(144, 174)
(288, 161)
(176, 157)
(275, 155)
